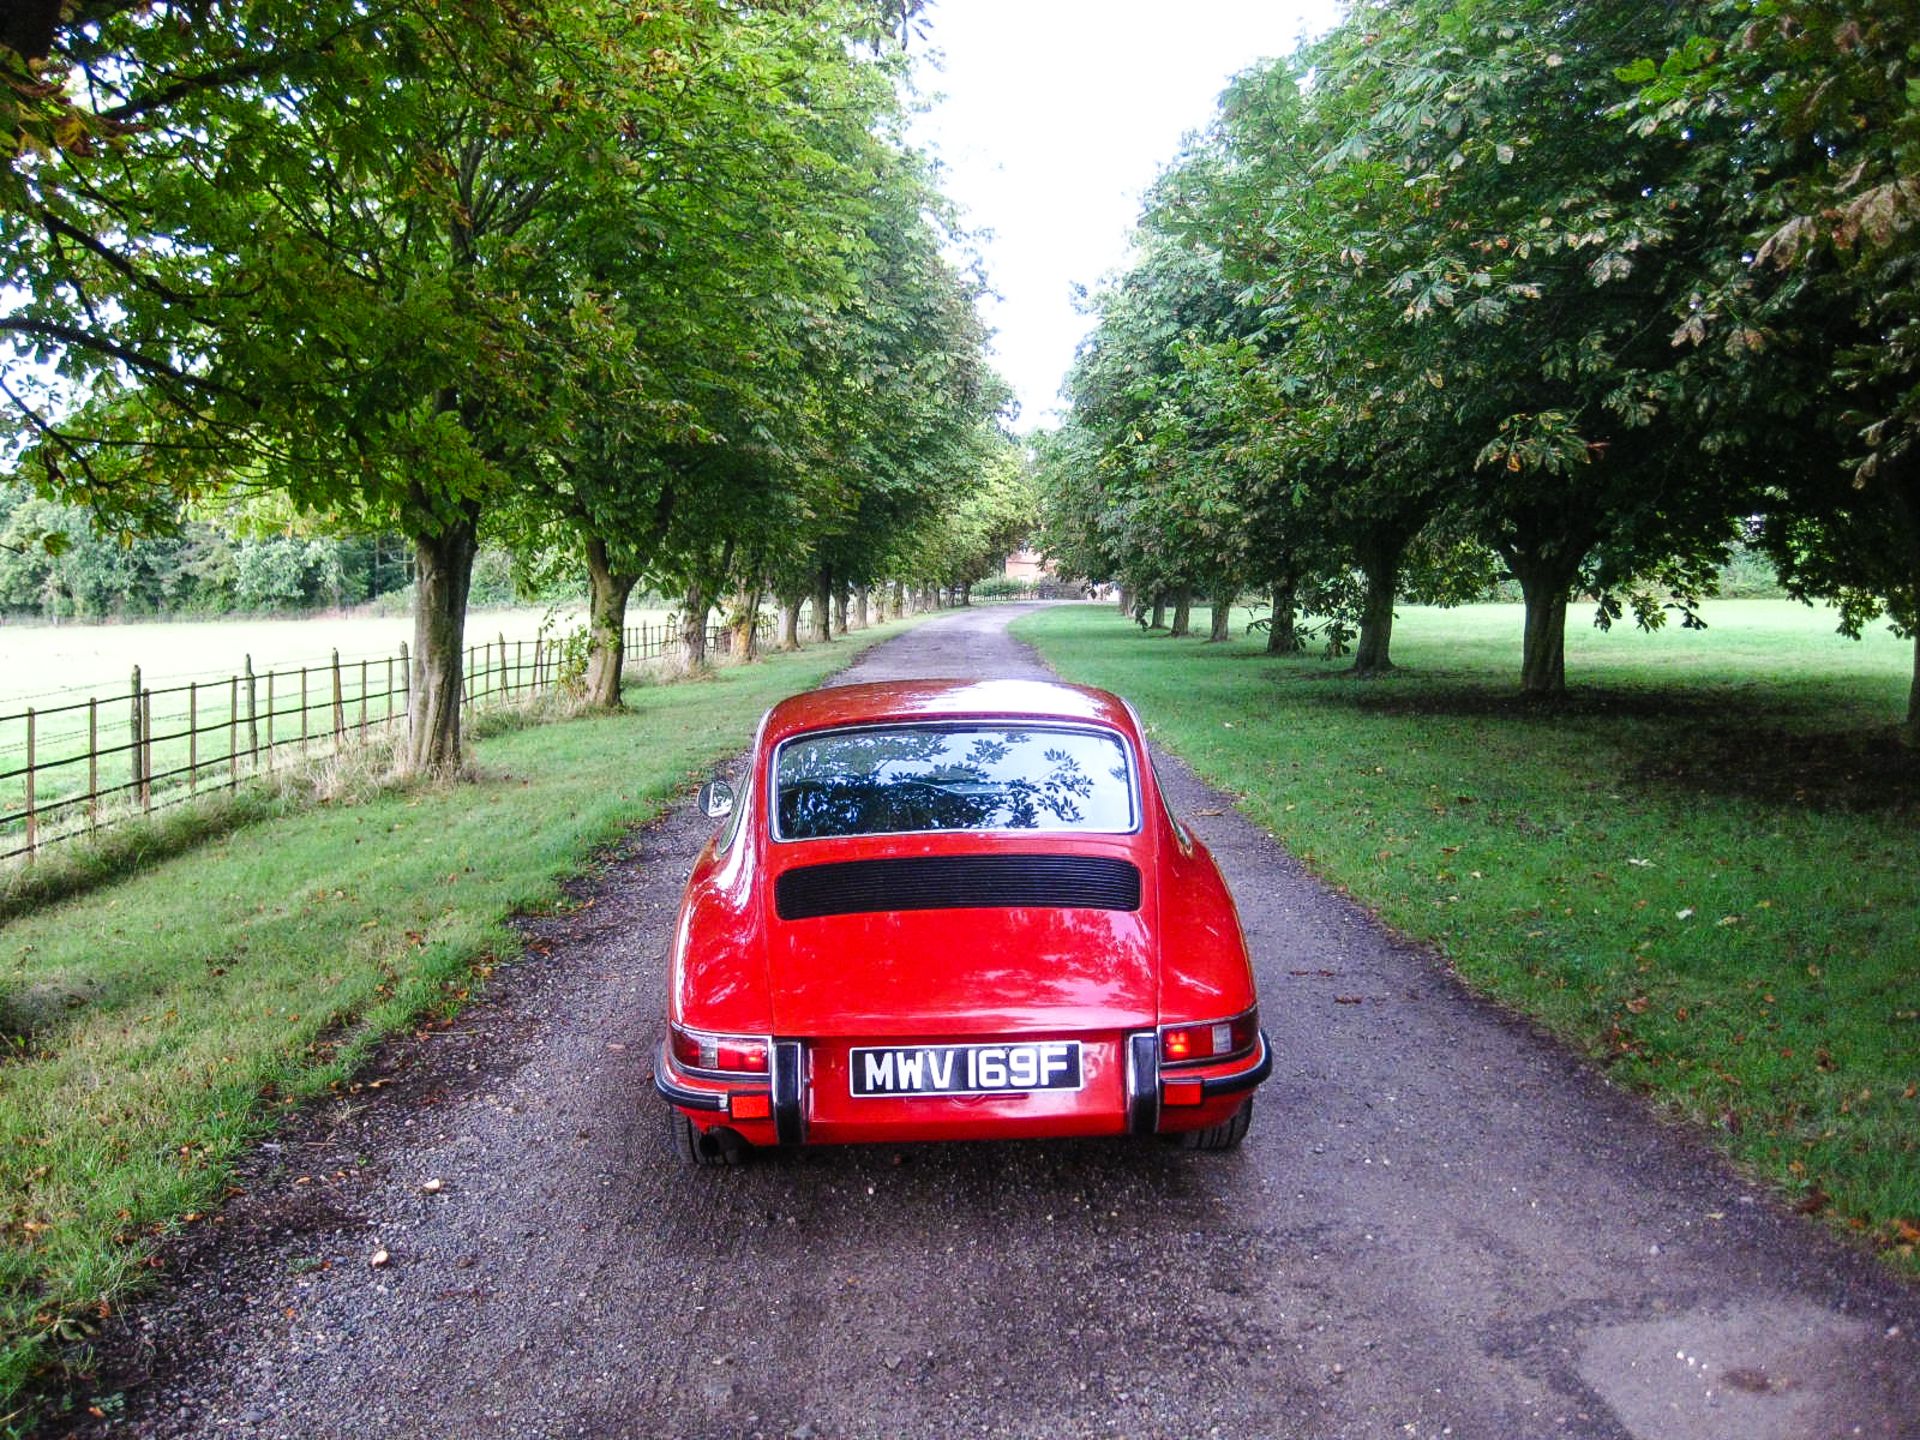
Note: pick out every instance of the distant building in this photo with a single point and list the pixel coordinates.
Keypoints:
(1028, 564)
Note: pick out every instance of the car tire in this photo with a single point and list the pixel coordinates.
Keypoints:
(1227, 1135)
(712, 1149)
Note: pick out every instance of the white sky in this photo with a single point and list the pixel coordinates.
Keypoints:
(1055, 118)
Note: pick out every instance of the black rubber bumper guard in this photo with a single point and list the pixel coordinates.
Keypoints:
(789, 1092)
(1143, 1080)
(676, 1094)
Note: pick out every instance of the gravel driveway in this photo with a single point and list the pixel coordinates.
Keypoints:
(1441, 1225)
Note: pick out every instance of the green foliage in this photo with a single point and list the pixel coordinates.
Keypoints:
(196, 568)
(1578, 296)
(1002, 587)
(662, 281)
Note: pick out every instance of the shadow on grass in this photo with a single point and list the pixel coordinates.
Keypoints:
(1740, 745)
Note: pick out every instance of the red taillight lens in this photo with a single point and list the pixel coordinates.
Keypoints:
(735, 1054)
(741, 1053)
(1211, 1040)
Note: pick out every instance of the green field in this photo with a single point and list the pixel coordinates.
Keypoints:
(1699, 868)
(205, 729)
(156, 1025)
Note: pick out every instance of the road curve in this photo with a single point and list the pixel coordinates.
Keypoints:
(1441, 1225)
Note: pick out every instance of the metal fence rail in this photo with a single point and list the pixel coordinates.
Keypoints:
(72, 769)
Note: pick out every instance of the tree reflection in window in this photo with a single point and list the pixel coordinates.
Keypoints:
(962, 777)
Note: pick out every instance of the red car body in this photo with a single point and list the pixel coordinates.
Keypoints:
(966, 960)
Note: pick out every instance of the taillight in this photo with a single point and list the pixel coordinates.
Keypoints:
(1211, 1040)
(733, 1054)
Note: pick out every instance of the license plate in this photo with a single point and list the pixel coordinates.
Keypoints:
(880, 1071)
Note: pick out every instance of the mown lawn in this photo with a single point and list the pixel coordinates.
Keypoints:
(184, 1006)
(1701, 868)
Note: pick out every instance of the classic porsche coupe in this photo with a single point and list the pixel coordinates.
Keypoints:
(943, 910)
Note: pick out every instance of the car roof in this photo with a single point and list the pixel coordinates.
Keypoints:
(882, 701)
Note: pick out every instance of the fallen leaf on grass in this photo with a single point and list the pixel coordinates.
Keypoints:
(1686, 914)
(1636, 860)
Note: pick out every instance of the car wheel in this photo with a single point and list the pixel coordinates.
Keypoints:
(1227, 1135)
(704, 1149)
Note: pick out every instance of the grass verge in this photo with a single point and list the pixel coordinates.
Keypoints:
(1699, 868)
(181, 1009)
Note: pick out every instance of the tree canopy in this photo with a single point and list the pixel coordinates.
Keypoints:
(1573, 296)
(663, 286)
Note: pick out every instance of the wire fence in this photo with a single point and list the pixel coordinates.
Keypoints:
(72, 769)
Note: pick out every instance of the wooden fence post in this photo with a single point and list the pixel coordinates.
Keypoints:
(193, 737)
(269, 719)
(133, 749)
(253, 719)
(406, 687)
(339, 707)
(388, 697)
(303, 709)
(33, 820)
(363, 702)
(146, 750)
(93, 762)
(233, 732)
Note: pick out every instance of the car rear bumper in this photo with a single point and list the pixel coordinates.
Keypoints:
(808, 1098)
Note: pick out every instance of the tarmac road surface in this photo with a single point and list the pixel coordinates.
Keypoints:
(1441, 1225)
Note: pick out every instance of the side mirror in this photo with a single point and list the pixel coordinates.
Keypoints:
(715, 799)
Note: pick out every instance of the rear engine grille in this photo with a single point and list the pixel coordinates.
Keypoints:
(958, 882)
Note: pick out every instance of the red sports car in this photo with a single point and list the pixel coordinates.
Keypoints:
(949, 910)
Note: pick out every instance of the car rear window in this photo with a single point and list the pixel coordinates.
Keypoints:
(886, 780)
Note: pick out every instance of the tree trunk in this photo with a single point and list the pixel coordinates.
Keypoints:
(607, 594)
(443, 566)
(1221, 626)
(1283, 625)
(1543, 656)
(821, 621)
(693, 626)
(1159, 620)
(966, 593)
(1373, 654)
(1126, 600)
(744, 622)
(789, 622)
(1182, 611)
(897, 599)
(841, 594)
(862, 608)
(1910, 731)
